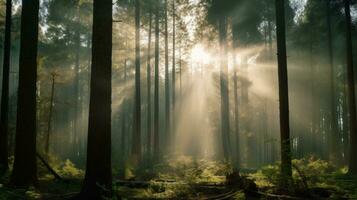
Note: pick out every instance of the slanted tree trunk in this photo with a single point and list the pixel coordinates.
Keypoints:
(98, 178)
(351, 90)
(50, 113)
(167, 83)
(136, 143)
(286, 171)
(225, 128)
(25, 169)
(156, 95)
(149, 114)
(4, 115)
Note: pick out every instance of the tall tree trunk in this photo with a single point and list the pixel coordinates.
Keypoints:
(334, 124)
(50, 113)
(235, 92)
(136, 144)
(270, 38)
(167, 83)
(180, 68)
(224, 87)
(4, 115)
(286, 171)
(123, 121)
(98, 168)
(149, 114)
(173, 72)
(312, 140)
(76, 93)
(25, 169)
(156, 95)
(351, 90)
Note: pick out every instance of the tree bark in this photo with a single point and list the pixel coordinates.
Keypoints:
(235, 86)
(180, 68)
(156, 95)
(351, 90)
(286, 170)
(50, 112)
(98, 178)
(4, 115)
(173, 72)
(224, 87)
(334, 124)
(149, 114)
(76, 90)
(167, 83)
(25, 169)
(136, 144)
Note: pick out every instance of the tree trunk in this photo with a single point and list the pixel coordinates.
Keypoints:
(76, 93)
(334, 124)
(235, 86)
(50, 112)
(270, 38)
(123, 122)
(136, 144)
(173, 73)
(167, 83)
(156, 95)
(224, 87)
(25, 169)
(351, 90)
(98, 178)
(180, 68)
(149, 128)
(4, 115)
(286, 171)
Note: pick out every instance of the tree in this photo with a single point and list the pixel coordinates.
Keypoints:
(333, 121)
(218, 15)
(351, 90)
(149, 114)
(76, 85)
(167, 83)
(235, 92)
(136, 145)
(173, 69)
(98, 177)
(4, 118)
(25, 169)
(286, 170)
(50, 113)
(224, 86)
(156, 92)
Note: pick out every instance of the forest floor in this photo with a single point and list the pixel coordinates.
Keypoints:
(185, 178)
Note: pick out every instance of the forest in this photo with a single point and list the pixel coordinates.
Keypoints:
(178, 99)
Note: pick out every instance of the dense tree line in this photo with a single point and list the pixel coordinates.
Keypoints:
(81, 82)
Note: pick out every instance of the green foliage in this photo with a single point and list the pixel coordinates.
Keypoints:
(319, 175)
(69, 170)
(193, 171)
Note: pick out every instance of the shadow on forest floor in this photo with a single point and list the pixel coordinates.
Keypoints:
(185, 178)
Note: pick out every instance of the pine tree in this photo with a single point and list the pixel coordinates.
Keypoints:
(4, 115)
(25, 168)
(286, 170)
(98, 177)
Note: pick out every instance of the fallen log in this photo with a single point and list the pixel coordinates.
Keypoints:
(49, 168)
